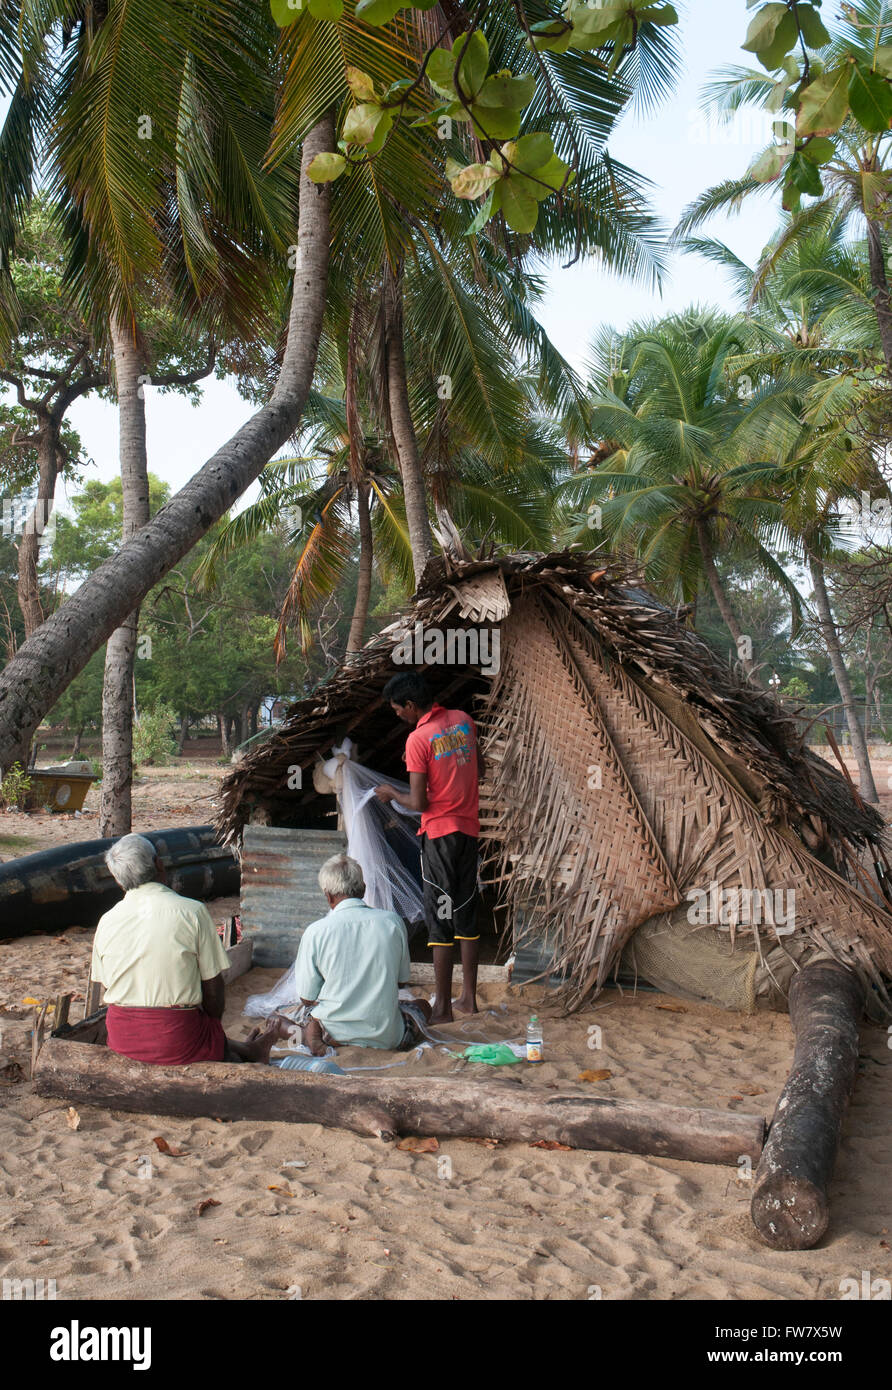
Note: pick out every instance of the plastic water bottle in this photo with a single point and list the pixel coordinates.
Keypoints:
(534, 1040)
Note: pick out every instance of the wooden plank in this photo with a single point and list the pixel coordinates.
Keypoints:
(240, 956)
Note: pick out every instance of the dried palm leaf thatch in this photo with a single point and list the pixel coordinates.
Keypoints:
(629, 768)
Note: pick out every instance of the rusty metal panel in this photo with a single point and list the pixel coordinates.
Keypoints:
(280, 891)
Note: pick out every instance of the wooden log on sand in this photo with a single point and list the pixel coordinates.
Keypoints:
(440, 1106)
(790, 1207)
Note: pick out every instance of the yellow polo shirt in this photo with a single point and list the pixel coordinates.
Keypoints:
(154, 948)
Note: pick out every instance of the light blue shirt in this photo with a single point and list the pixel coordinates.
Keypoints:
(352, 962)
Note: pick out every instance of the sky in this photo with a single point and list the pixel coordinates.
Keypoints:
(673, 147)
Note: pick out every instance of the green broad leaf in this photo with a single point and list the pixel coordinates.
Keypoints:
(551, 36)
(504, 90)
(785, 39)
(776, 96)
(763, 28)
(500, 159)
(473, 181)
(285, 12)
(326, 9)
(381, 132)
(396, 89)
(552, 175)
(377, 11)
(769, 165)
(474, 64)
(439, 70)
(657, 14)
(819, 150)
(453, 168)
(882, 60)
(532, 151)
(600, 23)
(361, 122)
(519, 206)
(792, 199)
(326, 167)
(870, 98)
(806, 176)
(483, 216)
(432, 117)
(824, 104)
(495, 122)
(812, 26)
(361, 85)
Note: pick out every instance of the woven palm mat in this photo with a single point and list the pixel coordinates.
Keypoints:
(572, 843)
(710, 832)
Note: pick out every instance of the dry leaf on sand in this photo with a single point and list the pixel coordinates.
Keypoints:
(673, 1008)
(414, 1145)
(271, 1187)
(751, 1090)
(552, 1144)
(203, 1205)
(602, 1075)
(163, 1147)
(73, 1118)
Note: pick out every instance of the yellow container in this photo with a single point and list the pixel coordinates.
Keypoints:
(58, 791)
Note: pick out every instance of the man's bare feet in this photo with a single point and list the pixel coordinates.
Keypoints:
(259, 1044)
(465, 1006)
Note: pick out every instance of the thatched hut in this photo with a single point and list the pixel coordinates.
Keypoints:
(641, 796)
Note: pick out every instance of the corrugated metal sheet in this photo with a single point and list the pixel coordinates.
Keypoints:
(280, 891)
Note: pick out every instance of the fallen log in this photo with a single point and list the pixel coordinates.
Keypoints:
(440, 1106)
(790, 1208)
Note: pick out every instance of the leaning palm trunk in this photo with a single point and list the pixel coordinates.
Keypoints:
(364, 583)
(49, 660)
(402, 428)
(880, 284)
(49, 452)
(843, 680)
(120, 653)
(723, 603)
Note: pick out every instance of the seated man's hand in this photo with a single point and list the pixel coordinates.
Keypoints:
(385, 792)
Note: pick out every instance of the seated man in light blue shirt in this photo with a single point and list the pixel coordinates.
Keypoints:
(350, 967)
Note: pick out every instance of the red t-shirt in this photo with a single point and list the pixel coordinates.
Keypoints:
(443, 745)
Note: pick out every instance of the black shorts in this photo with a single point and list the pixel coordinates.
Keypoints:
(449, 872)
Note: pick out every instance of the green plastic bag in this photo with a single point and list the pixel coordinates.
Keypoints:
(494, 1054)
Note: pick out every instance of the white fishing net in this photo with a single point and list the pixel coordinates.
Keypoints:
(383, 838)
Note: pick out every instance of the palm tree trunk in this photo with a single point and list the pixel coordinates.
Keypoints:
(49, 660)
(402, 427)
(28, 587)
(843, 680)
(880, 283)
(723, 603)
(120, 653)
(364, 583)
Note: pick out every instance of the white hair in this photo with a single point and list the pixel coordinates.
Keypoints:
(132, 861)
(342, 877)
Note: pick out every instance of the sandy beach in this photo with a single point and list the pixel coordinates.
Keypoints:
(314, 1213)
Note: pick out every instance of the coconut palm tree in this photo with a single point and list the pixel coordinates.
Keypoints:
(403, 183)
(857, 178)
(813, 372)
(667, 423)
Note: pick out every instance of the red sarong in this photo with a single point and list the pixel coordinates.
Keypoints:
(168, 1037)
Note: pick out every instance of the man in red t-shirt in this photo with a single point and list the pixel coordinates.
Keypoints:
(445, 767)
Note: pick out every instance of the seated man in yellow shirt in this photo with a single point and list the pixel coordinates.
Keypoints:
(161, 962)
